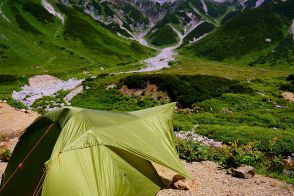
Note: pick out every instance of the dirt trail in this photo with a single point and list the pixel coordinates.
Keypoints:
(208, 178)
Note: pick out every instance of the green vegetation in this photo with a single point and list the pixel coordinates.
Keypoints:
(80, 44)
(99, 97)
(201, 30)
(47, 102)
(253, 37)
(187, 89)
(8, 83)
(233, 156)
(284, 139)
(283, 54)
(289, 86)
(5, 154)
(164, 36)
(242, 35)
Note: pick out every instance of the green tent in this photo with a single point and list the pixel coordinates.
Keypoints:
(75, 151)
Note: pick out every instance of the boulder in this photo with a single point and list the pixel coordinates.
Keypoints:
(243, 171)
(179, 182)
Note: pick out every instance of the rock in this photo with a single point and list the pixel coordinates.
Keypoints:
(177, 177)
(227, 111)
(190, 135)
(244, 171)
(111, 86)
(8, 133)
(181, 185)
(179, 182)
(289, 163)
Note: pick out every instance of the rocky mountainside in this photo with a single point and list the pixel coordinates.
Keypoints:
(195, 19)
(90, 32)
(135, 18)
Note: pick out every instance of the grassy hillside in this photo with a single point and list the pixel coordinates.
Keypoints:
(33, 41)
(164, 36)
(247, 35)
(201, 30)
(226, 103)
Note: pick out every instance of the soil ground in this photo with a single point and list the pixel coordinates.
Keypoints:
(208, 178)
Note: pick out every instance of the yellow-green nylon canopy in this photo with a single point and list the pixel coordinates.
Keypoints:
(106, 153)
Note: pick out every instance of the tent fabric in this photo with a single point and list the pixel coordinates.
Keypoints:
(106, 153)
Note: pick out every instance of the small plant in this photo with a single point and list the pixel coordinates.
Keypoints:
(235, 155)
(192, 151)
(5, 155)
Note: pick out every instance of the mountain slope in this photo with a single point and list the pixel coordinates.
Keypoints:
(33, 40)
(188, 15)
(253, 32)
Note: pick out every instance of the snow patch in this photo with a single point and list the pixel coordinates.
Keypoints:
(1, 12)
(164, 1)
(242, 3)
(52, 11)
(292, 29)
(259, 3)
(204, 6)
(197, 39)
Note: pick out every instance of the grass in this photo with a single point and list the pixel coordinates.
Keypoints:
(58, 48)
(193, 65)
(164, 36)
(243, 38)
(46, 46)
(186, 89)
(201, 30)
(98, 97)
